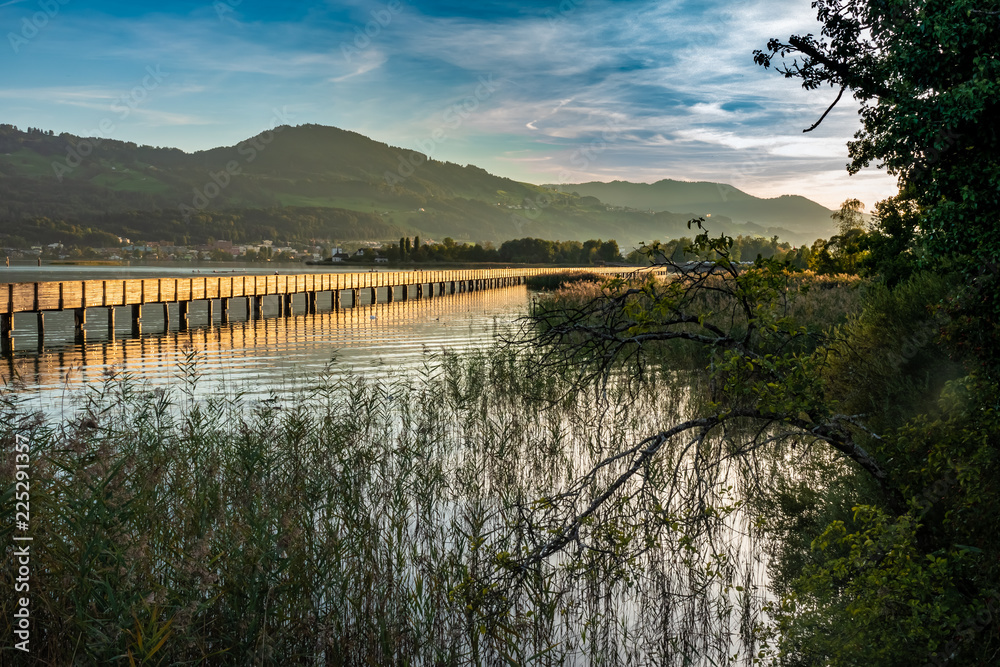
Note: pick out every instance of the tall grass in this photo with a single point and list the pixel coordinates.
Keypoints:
(552, 281)
(359, 522)
(819, 301)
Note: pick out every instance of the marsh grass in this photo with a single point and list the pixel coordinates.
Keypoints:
(819, 303)
(360, 521)
(819, 300)
(553, 281)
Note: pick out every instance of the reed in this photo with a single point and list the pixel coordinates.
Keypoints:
(553, 281)
(355, 521)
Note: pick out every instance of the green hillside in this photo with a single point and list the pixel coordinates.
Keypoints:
(313, 181)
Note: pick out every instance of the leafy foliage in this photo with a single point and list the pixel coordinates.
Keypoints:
(926, 75)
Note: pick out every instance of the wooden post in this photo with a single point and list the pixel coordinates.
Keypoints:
(249, 308)
(79, 318)
(182, 314)
(335, 299)
(314, 301)
(374, 296)
(420, 290)
(224, 311)
(166, 316)
(288, 304)
(111, 321)
(390, 293)
(258, 307)
(136, 319)
(354, 298)
(406, 292)
(41, 328)
(211, 311)
(7, 331)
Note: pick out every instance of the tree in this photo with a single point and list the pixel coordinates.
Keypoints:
(609, 252)
(925, 76)
(850, 217)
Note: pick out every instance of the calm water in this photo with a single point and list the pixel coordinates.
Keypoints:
(263, 357)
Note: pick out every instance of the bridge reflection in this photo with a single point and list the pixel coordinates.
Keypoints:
(260, 350)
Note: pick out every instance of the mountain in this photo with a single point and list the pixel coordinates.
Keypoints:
(790, 216)
(306, 182)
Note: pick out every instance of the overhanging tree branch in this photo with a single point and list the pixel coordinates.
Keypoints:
(828, 110)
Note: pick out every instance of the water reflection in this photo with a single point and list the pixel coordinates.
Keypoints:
(263, 355)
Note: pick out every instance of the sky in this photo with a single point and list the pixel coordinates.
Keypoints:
(561, 91)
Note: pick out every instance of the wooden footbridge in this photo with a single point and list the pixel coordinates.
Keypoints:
(247, 292)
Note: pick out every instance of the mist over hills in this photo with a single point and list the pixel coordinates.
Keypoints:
(319, 182)
(780, 215)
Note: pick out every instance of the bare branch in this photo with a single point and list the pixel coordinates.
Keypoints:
(828, 110)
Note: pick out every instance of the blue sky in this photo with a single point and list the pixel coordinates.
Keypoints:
(545, 92)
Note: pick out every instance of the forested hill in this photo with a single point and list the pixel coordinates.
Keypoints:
(311, 180)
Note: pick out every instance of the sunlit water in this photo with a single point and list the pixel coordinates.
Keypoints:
(261, 357)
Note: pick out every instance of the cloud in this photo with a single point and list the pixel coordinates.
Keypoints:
(371, 61)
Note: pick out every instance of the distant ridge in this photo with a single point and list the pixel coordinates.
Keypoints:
(797, 214)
